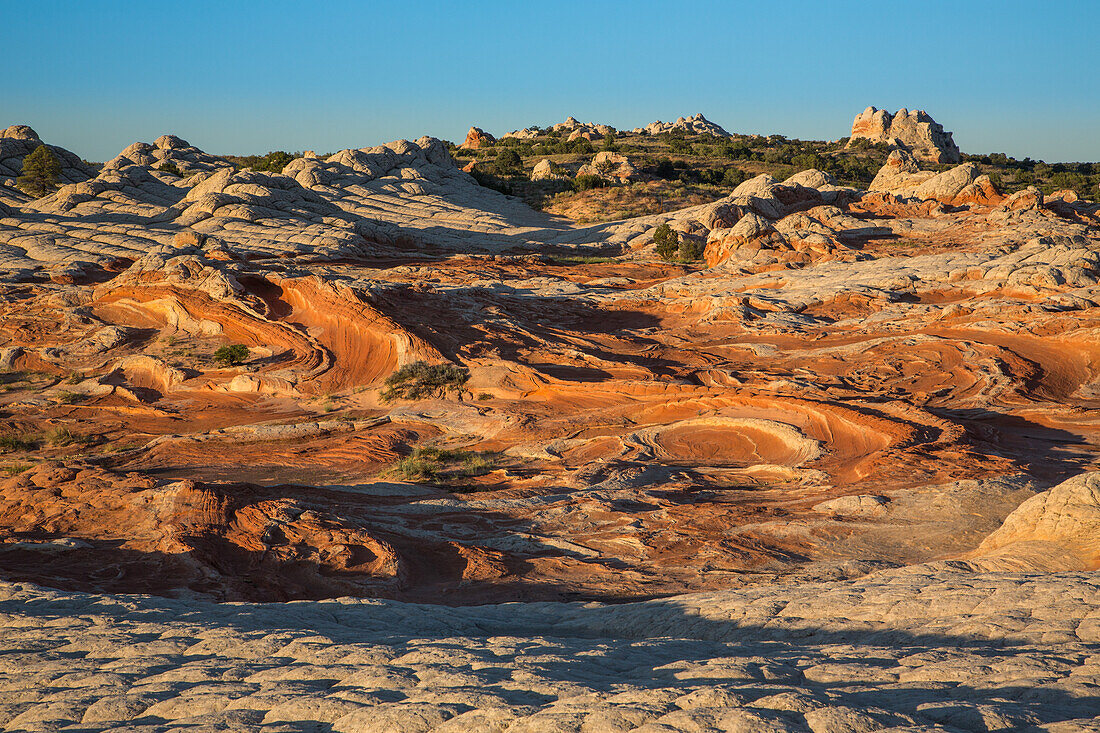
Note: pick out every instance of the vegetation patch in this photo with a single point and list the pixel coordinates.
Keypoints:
(438, 465)
(231, 355)
(16, 468)
(40, 173)
(421, 380)
(11, 442)
(62, 436)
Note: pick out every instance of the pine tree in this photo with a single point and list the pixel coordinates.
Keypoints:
(40, 172)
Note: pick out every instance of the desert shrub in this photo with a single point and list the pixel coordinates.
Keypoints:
(67, 397)
(488, 180)
(508, 159)
(231, 355)
(667, 241)
(582, 146)
(439, 464)
(63, 436)
(587, 182)
(16, 442)
(170, 167)
(609, 143)
(421, 380)
(665, 169)
(679, 146)
(41, 170)
(605, 167)
(733, 177)
(690, 250)
(273, 161)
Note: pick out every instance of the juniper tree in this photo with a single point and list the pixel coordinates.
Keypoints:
(40, 172)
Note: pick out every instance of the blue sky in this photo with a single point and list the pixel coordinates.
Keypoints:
(248, 77)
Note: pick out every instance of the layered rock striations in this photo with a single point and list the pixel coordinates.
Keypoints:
(859, 444)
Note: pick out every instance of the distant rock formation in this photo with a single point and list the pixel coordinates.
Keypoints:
(915, 131)
(574, 127)
(167, 150)
(19, 141)
(695, 125)
(477, 138)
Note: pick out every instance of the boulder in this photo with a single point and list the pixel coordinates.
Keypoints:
(547, 170)
(915, 131)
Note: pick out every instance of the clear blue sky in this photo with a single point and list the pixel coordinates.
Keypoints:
(1014, 76)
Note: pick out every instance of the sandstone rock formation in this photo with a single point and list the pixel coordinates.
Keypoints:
(477, 138)
(917, 650)
(902, 176)
(547, 170)
(694, 125)
(19, 141)
(610, 165)
(913, 131)
(842, 479)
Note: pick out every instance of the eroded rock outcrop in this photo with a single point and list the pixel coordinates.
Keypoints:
(477, 138)
(694, 125)
(19, 141)
(914, 131)
(610, 165)
(901, 175)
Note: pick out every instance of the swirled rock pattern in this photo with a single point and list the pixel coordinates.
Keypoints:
(856, 454)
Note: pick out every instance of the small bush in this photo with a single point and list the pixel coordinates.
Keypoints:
(16, 442)
(587, 182)
(170, 167)
(422, 380)
(231, 355)
(17, 468)
(667, 241)
(508, 160)
(690, 250)
(65, 397)
(439, 464)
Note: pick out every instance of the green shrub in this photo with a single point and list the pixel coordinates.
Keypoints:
(231, 355)
(63, 436)
(733, 177)
(665, 169)
(667, 241)
(41, 170)
(588, 181)
(66, 397)
(487, 180)
(440, 464)
(170, 167)
(508, 159)
(422, 380)
(16, 442)
(690, 250)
